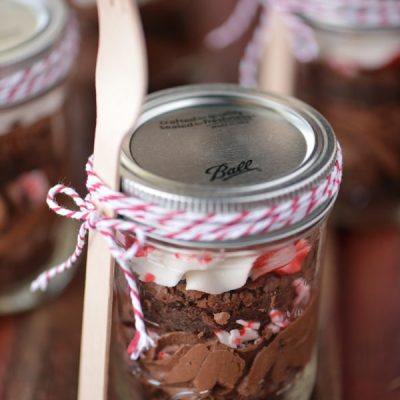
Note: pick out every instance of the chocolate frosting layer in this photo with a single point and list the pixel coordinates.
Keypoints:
(188, 362)
(176, 308)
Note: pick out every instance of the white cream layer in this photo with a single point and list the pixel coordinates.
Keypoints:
(212, 273)
(218, 275)
(28, 113)
(365, 50)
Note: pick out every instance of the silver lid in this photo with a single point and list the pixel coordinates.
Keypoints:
(223, 148)
(29, 27)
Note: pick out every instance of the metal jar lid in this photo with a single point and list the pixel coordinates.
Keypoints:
(29, 27)
(223, 148)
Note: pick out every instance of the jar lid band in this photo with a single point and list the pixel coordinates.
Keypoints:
(343, 13)
(44, 73)
(213, 227)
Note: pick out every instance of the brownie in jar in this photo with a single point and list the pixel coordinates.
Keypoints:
(355, 83)
(35, 63)
(230, 303)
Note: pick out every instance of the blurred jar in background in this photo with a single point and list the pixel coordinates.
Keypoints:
(175, 33)
(38, 44)
(177, 52)
(354, 81)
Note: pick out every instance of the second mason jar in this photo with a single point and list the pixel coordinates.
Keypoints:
(38, 46)
(354, 81)
(230, 318)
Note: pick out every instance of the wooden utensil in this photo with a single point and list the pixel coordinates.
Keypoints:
(121, 81)
(277, 66)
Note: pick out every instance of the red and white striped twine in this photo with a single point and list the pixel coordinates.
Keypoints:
(365, 13)
(138, 218)
(41, 75)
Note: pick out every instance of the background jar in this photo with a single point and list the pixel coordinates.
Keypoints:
(234, 319)
(38, 48)
(354, 81)
(175, 33)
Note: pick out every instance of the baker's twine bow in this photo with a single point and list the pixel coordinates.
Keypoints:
(95, 219)
(136, 218)
(366, 13)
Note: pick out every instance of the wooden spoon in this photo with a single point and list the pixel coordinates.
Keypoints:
(121, 82)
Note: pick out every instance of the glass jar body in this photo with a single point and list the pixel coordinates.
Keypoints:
(34, 157)
(355, 83)
(227, 323)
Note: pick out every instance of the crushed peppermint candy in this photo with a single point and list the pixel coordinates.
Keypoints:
(236, 338)
(302, 292)
(249, 324)
(285, 261)
(279, 321)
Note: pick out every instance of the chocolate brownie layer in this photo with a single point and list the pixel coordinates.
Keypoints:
(26, 246)
(189, 358)
(32, 159)
(175, 308)
(363, 107)
(184, 362)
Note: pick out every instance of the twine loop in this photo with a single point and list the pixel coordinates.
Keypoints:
(113, 230)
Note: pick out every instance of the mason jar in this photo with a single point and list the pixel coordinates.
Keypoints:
(38, 44)
(233, 317)
(354, 81)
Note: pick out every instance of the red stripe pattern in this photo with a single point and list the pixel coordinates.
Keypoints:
(43, 74)
(365, 13)
(115, 215)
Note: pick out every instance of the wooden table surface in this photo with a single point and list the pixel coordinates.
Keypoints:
(360, 345)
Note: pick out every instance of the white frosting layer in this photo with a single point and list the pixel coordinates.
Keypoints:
(365, 50)
(28, 113)
(217, 275)
(213, 272)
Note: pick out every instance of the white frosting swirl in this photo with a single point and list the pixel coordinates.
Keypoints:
(213, 272)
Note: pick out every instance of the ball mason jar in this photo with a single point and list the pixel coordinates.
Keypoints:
(230, 318)
(354, 81)
(38, 45)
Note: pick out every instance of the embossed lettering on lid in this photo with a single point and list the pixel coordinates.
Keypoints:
(236, 144)
(223, 147)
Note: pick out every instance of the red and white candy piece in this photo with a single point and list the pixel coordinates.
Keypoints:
(249, 324)
(279, 321)
(285, 261)
(236, 338)
(302, 291)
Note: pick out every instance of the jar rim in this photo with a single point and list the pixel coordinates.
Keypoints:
(48, 21)
(186, 186)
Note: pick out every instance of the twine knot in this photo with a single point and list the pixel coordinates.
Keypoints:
(124, 221)
(114, 230)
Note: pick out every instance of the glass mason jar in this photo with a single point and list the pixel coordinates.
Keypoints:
(237, 318)
(36, 54)
(354, 81)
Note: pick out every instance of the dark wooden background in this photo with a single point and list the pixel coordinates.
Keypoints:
(360, 340)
